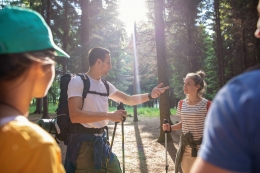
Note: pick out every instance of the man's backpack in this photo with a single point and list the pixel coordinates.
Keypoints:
(63, 123)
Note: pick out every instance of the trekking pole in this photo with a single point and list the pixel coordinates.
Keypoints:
(113, 136)
(123, 145)
(121, 106)
(110, 149)
(166, 166)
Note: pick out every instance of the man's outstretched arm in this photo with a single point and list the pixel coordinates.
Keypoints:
(139, 98)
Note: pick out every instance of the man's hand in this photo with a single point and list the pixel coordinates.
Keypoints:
(157, 91)
(117, 116)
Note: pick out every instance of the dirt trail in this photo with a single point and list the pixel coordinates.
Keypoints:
(143, 154)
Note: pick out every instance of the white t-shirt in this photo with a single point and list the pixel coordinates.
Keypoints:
(92, 102)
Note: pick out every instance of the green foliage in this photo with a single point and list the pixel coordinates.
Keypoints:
(210, 64)
(188, 43)
(190, 30)
(141, 111)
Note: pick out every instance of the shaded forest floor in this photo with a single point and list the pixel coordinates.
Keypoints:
(143, 154)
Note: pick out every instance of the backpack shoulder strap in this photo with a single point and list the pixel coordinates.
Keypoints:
(106, 85)
(208, 104)
(180, 104)
(86, 88)
(86, 83)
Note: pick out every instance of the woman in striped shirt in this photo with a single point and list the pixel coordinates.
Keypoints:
(192, 110)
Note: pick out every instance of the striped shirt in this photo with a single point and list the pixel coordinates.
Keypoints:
(193, 117)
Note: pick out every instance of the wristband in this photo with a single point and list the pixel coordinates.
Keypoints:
(150, 96)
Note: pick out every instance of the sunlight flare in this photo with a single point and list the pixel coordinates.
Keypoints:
(132, 10)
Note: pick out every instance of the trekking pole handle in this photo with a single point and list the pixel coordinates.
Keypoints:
(121, 107)
(164, 122)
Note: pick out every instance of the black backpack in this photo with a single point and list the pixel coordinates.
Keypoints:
(63, 122)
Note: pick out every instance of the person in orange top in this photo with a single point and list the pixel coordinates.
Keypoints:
(26, 71)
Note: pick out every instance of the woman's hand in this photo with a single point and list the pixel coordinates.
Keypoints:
(166, 127)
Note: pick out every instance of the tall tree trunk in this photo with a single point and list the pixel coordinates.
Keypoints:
(64, 66)
(85, 33)
(244, 48)
(45, 108)
(38, 109)
(38, 106)
(190, 30)
(161, 66)
(220, 54)
(45, 99)
(192, 54)
(65, 35)
(135, 119)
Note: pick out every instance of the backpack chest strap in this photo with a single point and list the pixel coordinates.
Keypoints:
(97, 93)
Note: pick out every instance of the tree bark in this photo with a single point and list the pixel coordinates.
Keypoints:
(85, 33)
(65, 36)
(220, 54)
(135, 119)
(162, 66)
(244, 49)
(45, 99)
(38, 109)
(45, 108)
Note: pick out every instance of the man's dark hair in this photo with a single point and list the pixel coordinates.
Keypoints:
(97, 53)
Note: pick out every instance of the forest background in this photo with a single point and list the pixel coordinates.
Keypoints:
(177, 37)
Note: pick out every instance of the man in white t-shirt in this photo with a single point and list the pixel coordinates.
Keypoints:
(87, 152)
